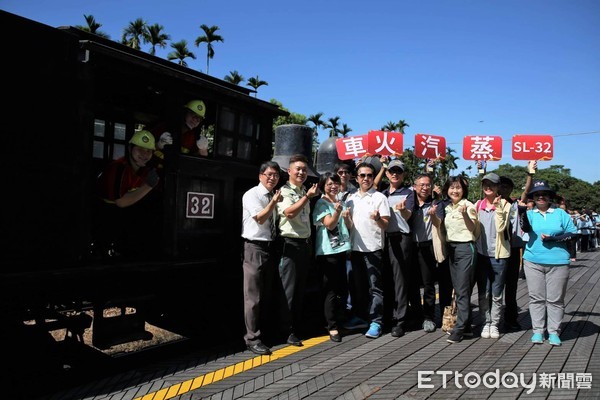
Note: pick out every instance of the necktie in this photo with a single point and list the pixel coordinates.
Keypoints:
(272, 225)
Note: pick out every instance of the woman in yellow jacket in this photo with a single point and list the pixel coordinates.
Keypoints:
(493, 251)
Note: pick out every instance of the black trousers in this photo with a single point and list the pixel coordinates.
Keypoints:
(510, 287)
(423, 258)
(404, 277)
(335, 288)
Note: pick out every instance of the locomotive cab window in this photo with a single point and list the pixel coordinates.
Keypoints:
(238, 134)
(109, 139)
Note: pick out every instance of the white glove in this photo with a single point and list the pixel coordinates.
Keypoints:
(164, 140)
(202, 143)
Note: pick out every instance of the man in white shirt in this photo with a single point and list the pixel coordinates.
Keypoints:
(371, 213)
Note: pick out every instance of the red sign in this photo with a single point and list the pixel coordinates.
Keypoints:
(351, 147)
(430, 146)
(385, 143)
(375, 142)
(532, 147)
(482, 148)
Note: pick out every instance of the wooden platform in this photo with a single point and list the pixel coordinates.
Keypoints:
(410, 367)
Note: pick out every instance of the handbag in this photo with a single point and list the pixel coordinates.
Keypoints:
(449, 317)
(438, 235)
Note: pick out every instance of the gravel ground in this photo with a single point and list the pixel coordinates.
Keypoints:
(159, 336)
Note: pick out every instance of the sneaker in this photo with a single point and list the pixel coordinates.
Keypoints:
(429, 326)
(553, 339)
(397, 331)
(538, 338)
(455, 337)
(494, 332)
(485, 332)
(355, 323)
(374, 331)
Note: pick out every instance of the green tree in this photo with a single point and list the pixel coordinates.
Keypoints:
(135, 32)
(401, 125)
(446, 165)
(255, 83)
(181, 52)
(389, 126)
(209, 37)
(345, 130)
(156, 37)
(92, 26)
(333, 126)
(317, 122)
(292, 118)
(234, 77)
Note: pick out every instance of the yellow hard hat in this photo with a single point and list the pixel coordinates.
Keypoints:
(197, 106)
(143, 139)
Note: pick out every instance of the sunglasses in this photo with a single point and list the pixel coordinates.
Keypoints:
(343, 172)
(396, 171)
(363, 176)
(545, 194)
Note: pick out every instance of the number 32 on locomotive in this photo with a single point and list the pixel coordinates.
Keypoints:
(200, 205)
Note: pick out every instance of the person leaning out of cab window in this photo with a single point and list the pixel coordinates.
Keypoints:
(130, 213)
(192, 142)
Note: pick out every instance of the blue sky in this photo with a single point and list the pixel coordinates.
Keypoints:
(521, 67)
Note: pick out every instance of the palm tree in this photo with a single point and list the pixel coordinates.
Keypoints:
(333, 126)
(92, 26)
(447, 164)
(208, 38)
(255, 83)
(135, 32)
(345, 130)
(234, 77)
(317, 122)
(155, 37)
(389, 127)
(181, 53)
(401, 125)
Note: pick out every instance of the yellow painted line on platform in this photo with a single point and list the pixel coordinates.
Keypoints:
(223, 373)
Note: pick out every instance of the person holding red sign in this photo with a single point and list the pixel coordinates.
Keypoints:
(546, 260)
(518, 239)
(370, 213)
(398, 246)
(493, 250)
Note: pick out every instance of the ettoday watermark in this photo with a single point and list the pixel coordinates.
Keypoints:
(510, 380)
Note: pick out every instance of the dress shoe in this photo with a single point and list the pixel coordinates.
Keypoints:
(397, 331)
(259, 348)
(334, 336)
(293, 340)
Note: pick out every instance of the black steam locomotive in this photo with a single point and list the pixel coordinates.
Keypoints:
(71, 102)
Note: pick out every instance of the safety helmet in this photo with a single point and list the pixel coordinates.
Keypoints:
(143, 139)
(197, 106)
